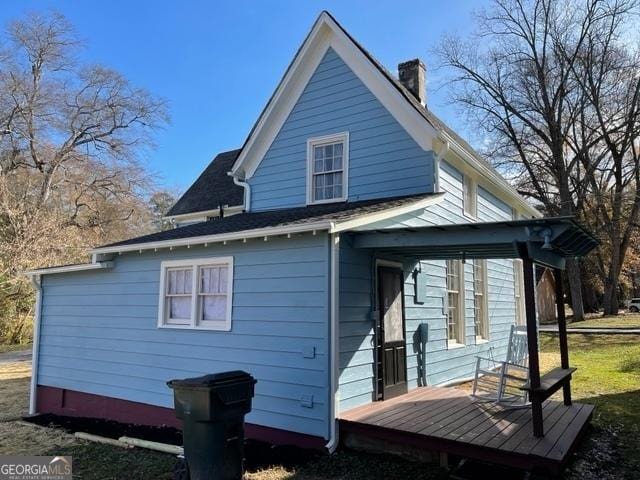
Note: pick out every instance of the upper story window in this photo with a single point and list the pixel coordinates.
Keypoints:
(455, 302)
(196, 293)
(469, 197)
(327, 168)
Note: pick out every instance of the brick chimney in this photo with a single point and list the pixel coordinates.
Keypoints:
(412, 75)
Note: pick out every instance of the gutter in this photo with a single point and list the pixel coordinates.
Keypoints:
(247, 191)
(334, 250)
(81, 267)
(36, 281)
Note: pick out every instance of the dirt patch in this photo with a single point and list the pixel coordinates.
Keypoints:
(108, 428)
(258, 455)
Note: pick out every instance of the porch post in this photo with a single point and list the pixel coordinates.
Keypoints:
(532, 343)
(562, 332)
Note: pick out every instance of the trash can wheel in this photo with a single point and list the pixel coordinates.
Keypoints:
(181, 470)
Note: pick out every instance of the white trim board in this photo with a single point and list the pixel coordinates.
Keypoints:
(70, 268)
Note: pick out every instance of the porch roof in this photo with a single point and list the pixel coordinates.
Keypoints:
(547, 241)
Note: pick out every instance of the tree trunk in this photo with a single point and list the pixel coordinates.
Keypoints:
(611, 282)
(575, 288)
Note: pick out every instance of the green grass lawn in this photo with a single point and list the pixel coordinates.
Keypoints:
(608, 377)
(627, 320)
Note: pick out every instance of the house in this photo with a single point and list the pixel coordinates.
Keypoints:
(354, 249)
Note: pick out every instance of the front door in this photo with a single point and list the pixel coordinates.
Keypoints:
(392, 355)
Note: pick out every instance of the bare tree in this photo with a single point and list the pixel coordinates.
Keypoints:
(71, 140)
(517, 78)
(607, 141)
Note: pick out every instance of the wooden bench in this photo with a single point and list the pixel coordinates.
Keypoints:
(550, 383)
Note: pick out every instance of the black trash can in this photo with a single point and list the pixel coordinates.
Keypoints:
(212, 408)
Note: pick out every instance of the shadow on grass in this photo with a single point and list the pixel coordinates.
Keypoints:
(610, 450)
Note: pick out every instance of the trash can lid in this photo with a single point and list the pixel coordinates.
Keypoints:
(212, 379)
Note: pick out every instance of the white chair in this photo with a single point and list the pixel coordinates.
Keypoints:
(500, 381)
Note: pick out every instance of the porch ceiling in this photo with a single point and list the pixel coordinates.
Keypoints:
(546, 241)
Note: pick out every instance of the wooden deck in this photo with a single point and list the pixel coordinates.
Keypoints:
(447, 420)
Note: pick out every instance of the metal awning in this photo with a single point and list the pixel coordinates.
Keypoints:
(546, 241)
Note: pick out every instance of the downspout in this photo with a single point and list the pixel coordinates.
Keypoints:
(247, 191)
(441, 154)
(36, 281)
(334, 275)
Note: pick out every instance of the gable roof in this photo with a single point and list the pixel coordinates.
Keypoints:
(212, 188)
(329, 216)
(419, 122)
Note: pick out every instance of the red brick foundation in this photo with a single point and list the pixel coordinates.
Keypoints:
(71, 403)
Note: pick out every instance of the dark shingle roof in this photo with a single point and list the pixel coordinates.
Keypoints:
(212, 188)
(278, 218)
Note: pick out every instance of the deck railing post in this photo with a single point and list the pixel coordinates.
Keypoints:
(562, 332)
(532, 343)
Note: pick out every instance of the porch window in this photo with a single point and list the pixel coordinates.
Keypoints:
(327, 160)
(518, 285)
(469, 197)
(480, 299)
(455, 312)
(196, 293)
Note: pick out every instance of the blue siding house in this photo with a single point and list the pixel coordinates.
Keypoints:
(263, 271)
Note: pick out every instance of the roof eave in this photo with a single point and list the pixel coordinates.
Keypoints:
(69, 268)
(331, 226)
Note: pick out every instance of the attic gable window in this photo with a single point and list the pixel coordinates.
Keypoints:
(327, 168)
(196, 293)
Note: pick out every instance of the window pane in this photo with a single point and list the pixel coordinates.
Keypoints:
(328, 164)
(224, 277)
(179, 281)
(328, 150)
(188, 279)
(208, 276)
(318, 153)
(179, 308)
(213, 307)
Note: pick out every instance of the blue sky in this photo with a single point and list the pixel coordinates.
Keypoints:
(217, 62)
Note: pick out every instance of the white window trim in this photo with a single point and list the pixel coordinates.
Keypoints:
(469, 182)
(224, 325)
(315, 141)
(460, 308)
(518, 280)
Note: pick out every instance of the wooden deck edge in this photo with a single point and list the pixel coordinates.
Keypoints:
(579, 437)
(466, 450)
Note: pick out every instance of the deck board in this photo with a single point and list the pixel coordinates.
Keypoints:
(449, 420)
